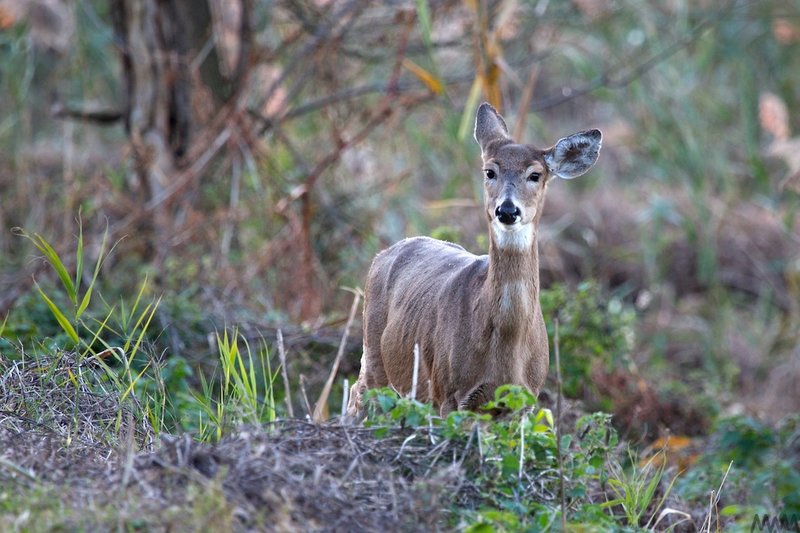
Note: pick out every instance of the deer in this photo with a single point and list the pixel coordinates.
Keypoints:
(476, 321)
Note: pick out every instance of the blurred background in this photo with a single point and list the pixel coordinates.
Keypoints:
(250, 157)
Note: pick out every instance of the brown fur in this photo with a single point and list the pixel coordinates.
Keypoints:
(477, 319)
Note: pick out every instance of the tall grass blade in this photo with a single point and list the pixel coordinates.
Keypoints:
(58, 265)
(59, 316)
(100, 259)
(79, 255)
(96, 334)
(133, 382)
(424, 18)
(149, 312)
(471, 105)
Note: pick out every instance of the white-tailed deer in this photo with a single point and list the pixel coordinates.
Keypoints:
(476, 319)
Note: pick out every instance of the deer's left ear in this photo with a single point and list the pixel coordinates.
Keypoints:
(574, 155)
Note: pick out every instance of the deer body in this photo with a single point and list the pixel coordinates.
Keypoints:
(476, 319)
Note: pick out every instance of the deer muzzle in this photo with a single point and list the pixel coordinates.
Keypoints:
(507, 212)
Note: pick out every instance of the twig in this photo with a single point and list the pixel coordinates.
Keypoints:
(522, 446)
(304, 395)
(326, 390)
(525, 101)
(18, 469)
(229, 223)
(179, 182)
(98, 116)
(714, 500)
(415, 375)
(345, 396)
(129, 453)
(558, 430)
(472, 435)
(287, 391)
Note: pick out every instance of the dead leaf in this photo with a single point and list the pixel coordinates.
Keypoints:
(426, 77)
(773, 116)
(785, 32)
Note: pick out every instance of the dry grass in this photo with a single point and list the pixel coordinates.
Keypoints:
(294, 476)
(70, 460)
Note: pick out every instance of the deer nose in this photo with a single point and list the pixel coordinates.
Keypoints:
(507, 212)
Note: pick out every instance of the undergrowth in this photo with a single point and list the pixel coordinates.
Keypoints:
(96, 388)
(513, 460)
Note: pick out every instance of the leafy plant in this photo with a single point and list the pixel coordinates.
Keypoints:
(78, 292)
(516, 463)
(245, 389)
(595, 332)
(635, 489)
(764, 475)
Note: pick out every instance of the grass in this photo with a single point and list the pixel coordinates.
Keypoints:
(634, 490)
(246, 394)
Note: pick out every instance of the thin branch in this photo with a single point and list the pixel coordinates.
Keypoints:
(345, 397)
(415, 374)
(287, 391)
(326, 390)
(558, 430)
(304, 395)
(103, 117)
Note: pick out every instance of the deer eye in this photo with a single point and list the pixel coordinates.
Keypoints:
(534, 176)
(490, 174)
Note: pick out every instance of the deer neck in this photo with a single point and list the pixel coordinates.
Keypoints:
(512, 283)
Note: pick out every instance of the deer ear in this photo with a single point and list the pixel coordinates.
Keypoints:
(489, 126)
(574, 155)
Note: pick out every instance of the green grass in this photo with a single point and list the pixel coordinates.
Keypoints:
(246, 394)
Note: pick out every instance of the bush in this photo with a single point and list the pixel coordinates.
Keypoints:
(595, 333)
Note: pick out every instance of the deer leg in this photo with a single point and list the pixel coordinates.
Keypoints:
(372, 375)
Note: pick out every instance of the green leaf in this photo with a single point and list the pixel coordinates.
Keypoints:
(84, 303)
(611, 503)
(731, 510)
(510, 464)
(480, 528)
(62, 320)
(386, 402)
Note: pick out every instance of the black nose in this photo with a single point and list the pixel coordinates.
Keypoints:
(507, 212)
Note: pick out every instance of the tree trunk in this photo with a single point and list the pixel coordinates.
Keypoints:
(157, 39)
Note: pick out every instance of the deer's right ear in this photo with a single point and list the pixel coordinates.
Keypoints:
(489, 126)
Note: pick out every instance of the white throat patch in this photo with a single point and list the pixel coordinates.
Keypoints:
(517, 237)
(514, 296)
